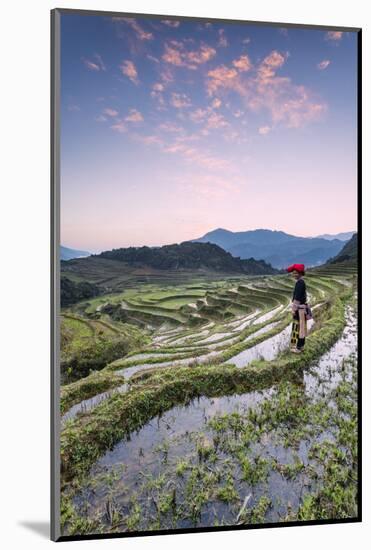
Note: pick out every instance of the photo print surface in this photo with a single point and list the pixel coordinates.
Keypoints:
(207, 274)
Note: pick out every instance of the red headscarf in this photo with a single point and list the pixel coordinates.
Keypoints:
(296, 267)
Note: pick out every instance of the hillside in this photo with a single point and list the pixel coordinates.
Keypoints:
(187, 255)
(274, 247)
(73, 292)
(349, 252)
(119, 269)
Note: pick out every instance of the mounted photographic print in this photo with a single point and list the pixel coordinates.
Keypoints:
(205, 274)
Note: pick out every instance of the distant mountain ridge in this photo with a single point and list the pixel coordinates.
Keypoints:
(274, 247)
(187, 255)
(70, 253)
(345, 236)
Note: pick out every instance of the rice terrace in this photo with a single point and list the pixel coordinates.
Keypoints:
(182, 406)
(205, 274)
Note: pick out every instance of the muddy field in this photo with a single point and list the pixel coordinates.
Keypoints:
(199, 415)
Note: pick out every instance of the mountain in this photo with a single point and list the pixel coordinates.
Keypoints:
(349, 252)
(341, 236)
(69, 253)
(227, 239)
(187, 255)
(274, 247)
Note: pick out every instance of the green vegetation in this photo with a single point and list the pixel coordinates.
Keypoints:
(89, 345)
(234, 454)
(73, 292)
(151, 394)
(175, 342)
(187, 255)
(87, 387)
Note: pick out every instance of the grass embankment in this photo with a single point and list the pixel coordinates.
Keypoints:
(89, 345)
(87, 437)
(95, 383)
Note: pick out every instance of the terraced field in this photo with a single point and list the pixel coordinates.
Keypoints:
(199, 415)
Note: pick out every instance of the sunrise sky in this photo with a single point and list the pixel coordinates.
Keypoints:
(172, 128)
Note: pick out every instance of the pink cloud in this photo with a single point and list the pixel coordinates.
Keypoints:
(134, 116)
(171, 22)
(210, 186)
(167, 76)
(223, 42)
(187, 137)
(181, 147)
(170, 127)
(275, 59)
(270, 64)
(158, 87)
(180, 100)
(334, 35)
(148, 140)
(96, 65)
(216, 120)
(263, 90)
(216, 103)
(153, 58)
(175, 148)
(157, 93)
(263, 130)
(243, 63)
(199, 157)
(110, 112)
(176, 54)
(198, 115)
(119, 127)
(286, 103)
(234, 136)
(221, 77)
(323, 64)
(172, 56)
(128, 69)
(133, 23)
(90, 65)
(204, 54)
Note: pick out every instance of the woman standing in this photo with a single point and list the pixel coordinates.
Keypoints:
(299, 308)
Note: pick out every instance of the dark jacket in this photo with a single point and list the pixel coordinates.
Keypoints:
(300, 292)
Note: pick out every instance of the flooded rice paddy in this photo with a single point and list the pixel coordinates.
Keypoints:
(284, 452)
(250, 458)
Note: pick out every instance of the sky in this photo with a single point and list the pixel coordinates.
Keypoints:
(171, 128)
